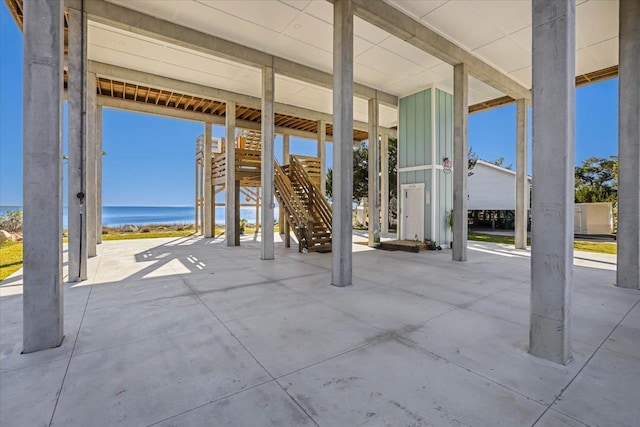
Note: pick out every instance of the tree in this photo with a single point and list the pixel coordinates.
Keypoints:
(361, 171)
(500, 162)
(393, 166)
(597, 180)
(472, 160)
(360, 174)
(11, 221)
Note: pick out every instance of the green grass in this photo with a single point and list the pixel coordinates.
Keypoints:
(10, 258)
(599, 247)
(149, 235)
(493, 238)
(603, 248)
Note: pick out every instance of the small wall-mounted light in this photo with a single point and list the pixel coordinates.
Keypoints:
(446, 165)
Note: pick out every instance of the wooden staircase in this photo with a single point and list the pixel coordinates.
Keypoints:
(296, 187)
(307, 210)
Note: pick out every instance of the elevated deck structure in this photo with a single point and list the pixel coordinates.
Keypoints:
(304, 210)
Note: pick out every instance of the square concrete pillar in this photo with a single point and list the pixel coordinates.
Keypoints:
(285, 161)
(197, 195)
(76, 165)
(99, 156)
(341, 255)
(384, 183)
(91, 198)
(553, 174)
(42, 174)
(322, 154)
(208, 188)
(460, 164)
(230, 225)
(628, 271)
(522, 181)
(236, 221)
(268, 135)
(373, 191)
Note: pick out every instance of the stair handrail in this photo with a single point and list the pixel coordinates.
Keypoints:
(290, 199)
(320, 202)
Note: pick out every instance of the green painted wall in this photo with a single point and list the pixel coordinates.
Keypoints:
(417, 125)
(415, 130)
(444, 148)
(414, 144)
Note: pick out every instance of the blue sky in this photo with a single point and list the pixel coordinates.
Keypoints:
(150, 160)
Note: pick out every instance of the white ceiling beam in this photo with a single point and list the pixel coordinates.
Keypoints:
(139, 23)
(400, 25)
(166, 83)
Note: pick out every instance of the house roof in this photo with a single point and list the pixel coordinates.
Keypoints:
(484, 163)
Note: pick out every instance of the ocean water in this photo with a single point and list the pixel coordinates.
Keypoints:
(113, 216)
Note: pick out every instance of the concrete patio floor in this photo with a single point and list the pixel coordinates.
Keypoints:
(181, 332)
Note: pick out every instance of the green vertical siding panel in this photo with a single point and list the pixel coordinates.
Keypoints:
(442, 152)
(438, 161)
(449, 186)
(403, 143)
(411, 131)
(402, 128)
(444, 148)
(427, 127)
(419, 129)
(427, 207)
(415, 129)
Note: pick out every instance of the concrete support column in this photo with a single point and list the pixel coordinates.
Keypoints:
(257, 210)
(268, 134)
(553, 172)
(286, 151)
(373, 194)
(42, 175)
(384, 183)
(460, 165)
(197, 197)
(91, 198)
(285, 161)
(99, 156)
(322, 155)
(341, 255)
(236, 215)
(208, 189)
(628, 272)
(230, 225)
(214, 190)
(522, 182)
(76, 166)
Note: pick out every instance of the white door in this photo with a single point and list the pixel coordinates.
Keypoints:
(413, 214)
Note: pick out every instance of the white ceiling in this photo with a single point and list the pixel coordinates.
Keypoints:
(498, 31)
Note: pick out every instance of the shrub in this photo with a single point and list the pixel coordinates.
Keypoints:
(11, 221)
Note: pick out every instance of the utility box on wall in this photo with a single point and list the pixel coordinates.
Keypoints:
(425, 155)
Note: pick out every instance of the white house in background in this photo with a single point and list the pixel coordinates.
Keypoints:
(492, 188)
